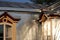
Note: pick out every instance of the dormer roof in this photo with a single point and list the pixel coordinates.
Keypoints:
(8, 18)
(5, 14)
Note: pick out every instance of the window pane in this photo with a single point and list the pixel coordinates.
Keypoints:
(8, 32)
(1, 32)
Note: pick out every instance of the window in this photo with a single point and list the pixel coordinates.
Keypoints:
(7, 27)
(8, 32)
(52, 29)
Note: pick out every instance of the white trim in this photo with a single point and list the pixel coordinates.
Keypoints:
(19, 9)
(6, 23)
(4, 33)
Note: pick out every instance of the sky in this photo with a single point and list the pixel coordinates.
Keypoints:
(17, 0)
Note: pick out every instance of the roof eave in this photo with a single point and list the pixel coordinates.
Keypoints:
(19, 9)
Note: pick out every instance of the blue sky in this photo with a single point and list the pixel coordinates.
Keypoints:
(17, 0)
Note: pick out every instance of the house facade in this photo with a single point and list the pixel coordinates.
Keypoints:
(25, 21)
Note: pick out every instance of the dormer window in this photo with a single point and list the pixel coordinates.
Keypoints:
(50, 26)
(7, 27)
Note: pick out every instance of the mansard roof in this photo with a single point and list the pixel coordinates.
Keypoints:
(20, 5)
